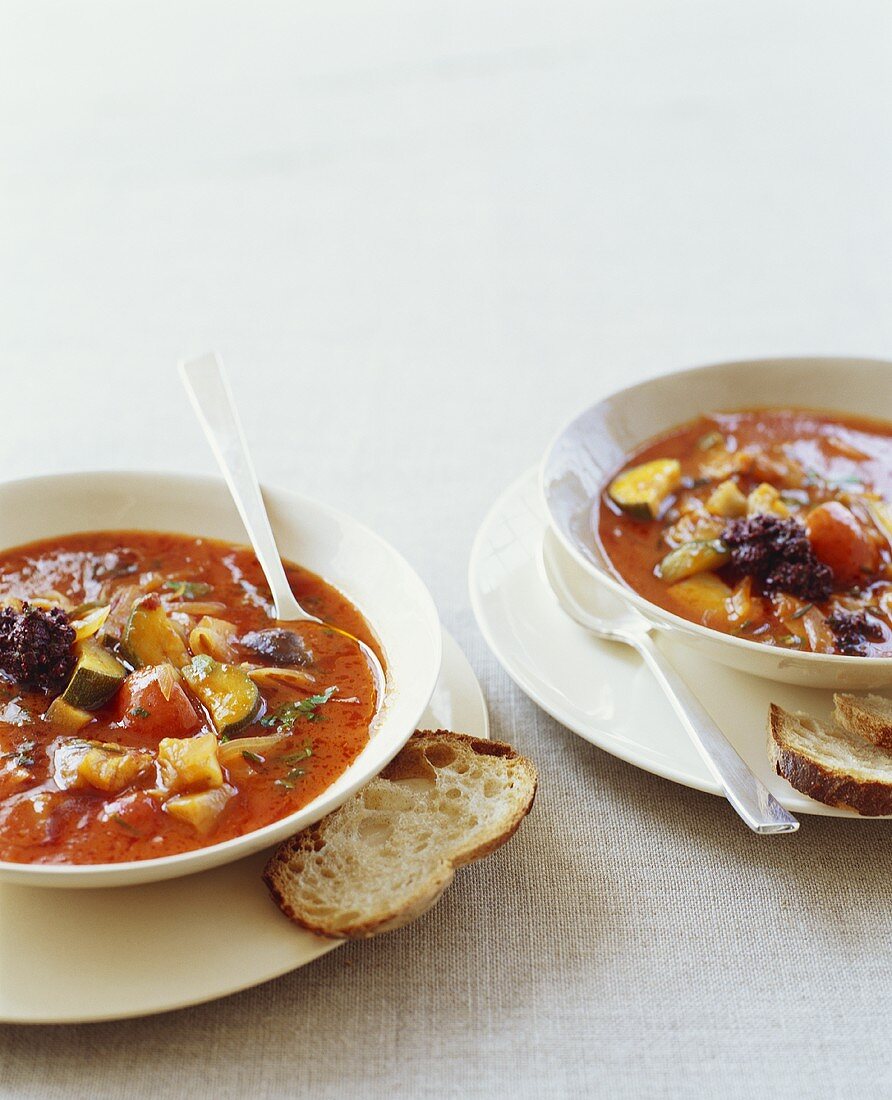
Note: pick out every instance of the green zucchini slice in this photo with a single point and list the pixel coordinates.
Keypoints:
(68, 718)
(700, 556)
(150, 638)
(230, 695)
(641, 490)
(97, 676)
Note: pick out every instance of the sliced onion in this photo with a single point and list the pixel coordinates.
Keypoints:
(231, 750)
(50, 599)
(90, 623)
(290, 677)
(213, 637)
(168, 678)
(199, 607)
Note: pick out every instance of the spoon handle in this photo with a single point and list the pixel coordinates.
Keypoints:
(747, 794)
(208, 388)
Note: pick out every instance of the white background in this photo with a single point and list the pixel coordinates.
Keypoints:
(423, 235)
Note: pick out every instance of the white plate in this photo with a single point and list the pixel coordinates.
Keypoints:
(76, 956)
(602, 690)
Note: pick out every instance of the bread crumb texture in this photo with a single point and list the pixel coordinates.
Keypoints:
(388, 853)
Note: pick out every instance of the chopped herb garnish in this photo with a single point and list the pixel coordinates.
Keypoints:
(252, 757)
(188, 590)
(802, 611)
(291, 778)
(792, 639)
(301, 754)
(140, 712)
(286, 715)
(125, 825)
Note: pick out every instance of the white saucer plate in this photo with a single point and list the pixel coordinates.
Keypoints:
(105, 954)
(602, 690)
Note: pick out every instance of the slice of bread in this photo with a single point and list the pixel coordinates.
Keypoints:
(868, 716)
(388, 853)
(829, 763)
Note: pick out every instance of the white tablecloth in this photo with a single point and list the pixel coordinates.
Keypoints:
(423, 235)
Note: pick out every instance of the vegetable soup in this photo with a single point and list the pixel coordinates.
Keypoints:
(773, 525)
(150, 704)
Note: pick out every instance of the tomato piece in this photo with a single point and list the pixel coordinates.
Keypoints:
(840, 541)
(147, 716)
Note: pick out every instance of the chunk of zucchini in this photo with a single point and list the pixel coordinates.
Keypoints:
(66, 717)
(230, 695)
(700, 556)
(150, 638)
(641, 490)
(97, 676)
(703, 595)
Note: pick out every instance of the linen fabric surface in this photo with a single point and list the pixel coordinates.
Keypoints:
(423, 236)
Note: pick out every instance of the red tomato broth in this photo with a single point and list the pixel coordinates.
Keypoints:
(811, 441)
(41, 823)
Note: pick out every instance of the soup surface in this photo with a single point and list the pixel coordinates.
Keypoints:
(770, 524)
(149, 703)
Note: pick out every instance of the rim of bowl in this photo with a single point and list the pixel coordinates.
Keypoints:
(652, 610)
(231, 847)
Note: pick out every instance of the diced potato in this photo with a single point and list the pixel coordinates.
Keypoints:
(105, 766)
(693, 557)
(727, 500)
(766, 500)
(703, 595)
(189, 762)
(201, 810)
(641, 490)
(721, 464)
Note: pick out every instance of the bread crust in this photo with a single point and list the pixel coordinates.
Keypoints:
(825, 784)
(408, 763)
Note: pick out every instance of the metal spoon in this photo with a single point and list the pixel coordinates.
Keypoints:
(208, 389)
(620, 623)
